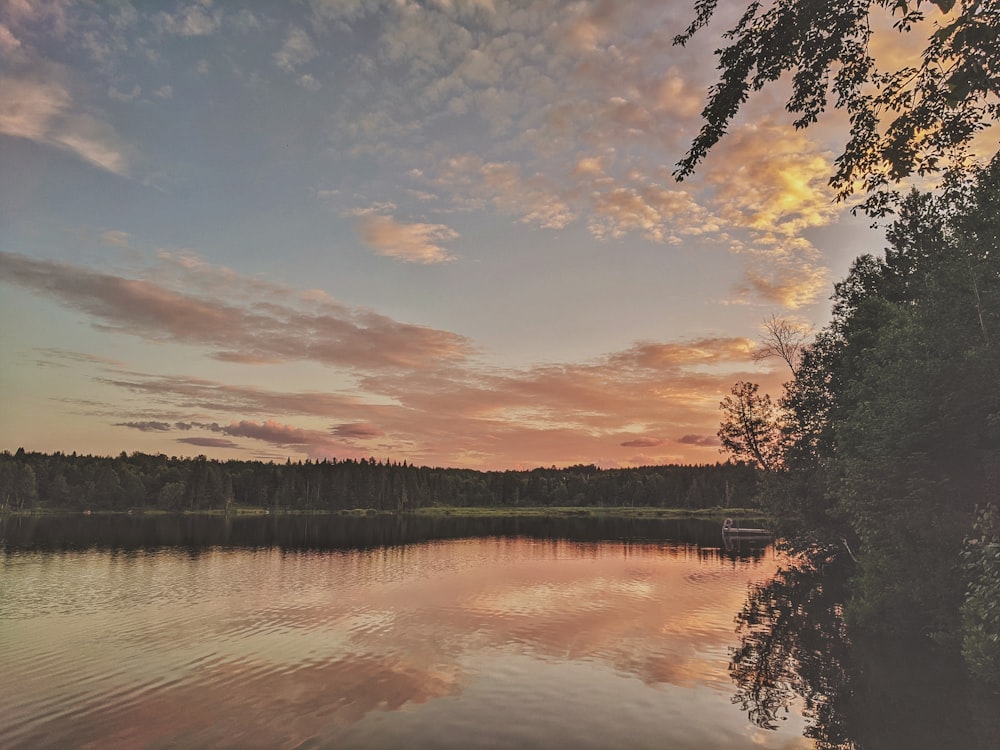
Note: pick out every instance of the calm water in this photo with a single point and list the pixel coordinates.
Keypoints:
(377, 633)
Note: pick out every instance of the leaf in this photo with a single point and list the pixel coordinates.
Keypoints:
(944, 5)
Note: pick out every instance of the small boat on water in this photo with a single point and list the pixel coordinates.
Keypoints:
(728, 529)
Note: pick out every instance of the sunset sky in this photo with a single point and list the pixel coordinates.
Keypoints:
(444, 232)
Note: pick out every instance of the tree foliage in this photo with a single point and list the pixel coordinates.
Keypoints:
(750, 429)
(903, 121)
(140, 481)
(891, 426)
(981, 609)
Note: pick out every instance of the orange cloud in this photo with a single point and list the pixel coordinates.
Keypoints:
(791, 284)
(772, 178)
(461, 415)
(413, 243)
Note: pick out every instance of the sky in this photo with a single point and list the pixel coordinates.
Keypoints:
(444, 232)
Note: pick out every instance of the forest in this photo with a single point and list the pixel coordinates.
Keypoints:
(139, 482)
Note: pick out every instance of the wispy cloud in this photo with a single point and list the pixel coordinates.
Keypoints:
(146, 426)
(357, 430)
(193, 19)
(296, 50)
(9, 44)
(209, 442)
(703, 440)
(115, 238)
(44, 111)
(642, 443)
(662, 397)
(413, 243)
(276, 433)
(280, 329)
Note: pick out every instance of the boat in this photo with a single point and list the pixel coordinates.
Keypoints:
(728, 529)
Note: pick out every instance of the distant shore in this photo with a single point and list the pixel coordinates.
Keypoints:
(433, 511)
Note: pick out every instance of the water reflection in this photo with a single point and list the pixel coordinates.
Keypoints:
(857, 692)
(793, 647)
(335, 532)
(388, 632)
(300, 640)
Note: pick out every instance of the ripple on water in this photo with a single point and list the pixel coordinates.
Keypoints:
(508, 642)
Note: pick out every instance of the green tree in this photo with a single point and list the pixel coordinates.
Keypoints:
(171, 496)
(18, 485)
(750, 428)
(902, 121)
(892, 423)
(107, 489)
(981, 609)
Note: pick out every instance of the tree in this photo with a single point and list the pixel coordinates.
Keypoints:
(18, 487)
(912, 120)
(750, 427)
(980, 611)
(892, 423)
(782, 339)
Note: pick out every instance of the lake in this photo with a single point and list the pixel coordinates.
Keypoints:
(355, 632)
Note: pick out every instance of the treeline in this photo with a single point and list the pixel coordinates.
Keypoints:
(885, 446)
(142, 481)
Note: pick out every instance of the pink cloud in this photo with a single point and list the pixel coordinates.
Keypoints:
(414, 243)
(246, 329)
(449, 413)
(276, 433)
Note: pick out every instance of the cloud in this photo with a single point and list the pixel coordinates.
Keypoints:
(642, 443)
(702, 440)
(469, 415)
(308, 82)
(536, 198)
(28, 109)
(357, 430)
(191, 20)
(60, 358)
(43, 111)
(211, 396)
(9, 44)
(260, 323)
(203, 442)
(772, 178)
(276, 433)
(413, 243)
(115, 238)
(296, 50)
(789, 283)
(590, 97)
(646, 206)
(146, 426)
(473, 182)
(315, 443)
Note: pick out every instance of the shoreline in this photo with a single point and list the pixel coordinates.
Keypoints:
(432, 511)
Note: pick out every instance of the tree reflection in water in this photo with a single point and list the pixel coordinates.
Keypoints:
(793, 645)
(856, 693)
